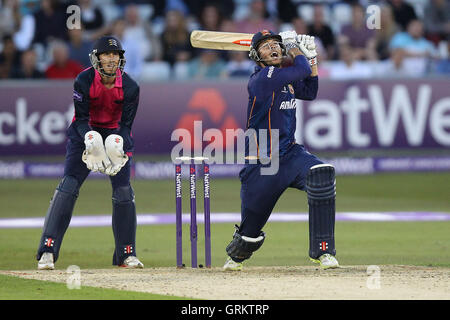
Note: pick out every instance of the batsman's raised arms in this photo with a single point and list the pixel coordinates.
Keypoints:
(221, 40)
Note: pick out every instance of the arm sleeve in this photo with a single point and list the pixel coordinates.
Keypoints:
(128, 114)
(276, 78)
(81, 103)
(307, 89)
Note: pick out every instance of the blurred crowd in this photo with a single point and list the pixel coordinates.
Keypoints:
(38, 40)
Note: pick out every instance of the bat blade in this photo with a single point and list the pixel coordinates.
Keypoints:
(221, 40)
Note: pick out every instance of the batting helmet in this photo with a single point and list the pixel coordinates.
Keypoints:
(260, 37)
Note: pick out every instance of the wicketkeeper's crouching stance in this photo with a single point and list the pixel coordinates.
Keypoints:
(272, 93)
(106, 101)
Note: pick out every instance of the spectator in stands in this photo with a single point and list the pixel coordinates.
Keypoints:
(133, 55)
(300, 26)
(256, 19)
(28, 69)
(9, 58)
(442, 66)
(210, 18)
(225, 7)
(238, 65)
(177, 5)
(437, 20)
(9, 16)
(207, 65)
(384, 34)
(50, 23)
(62, 67)
(403, 13)
(417, 50)
(228, 25)
(25, 32)
(141, 32)
(287, 10)
(159, 8)
(321, 30)
(175, 38)
(79, 47)
(398, 66)
(413, 41)
(91, 16)
(359, 37)
(348, 67)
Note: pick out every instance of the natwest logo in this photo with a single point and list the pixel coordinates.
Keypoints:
(22, 127)
(209, 107)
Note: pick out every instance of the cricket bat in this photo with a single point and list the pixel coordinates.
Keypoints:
(221, 40)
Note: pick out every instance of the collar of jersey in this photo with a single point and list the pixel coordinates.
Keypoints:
(117, 83)
(258, 69)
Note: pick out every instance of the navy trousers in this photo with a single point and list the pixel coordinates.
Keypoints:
(75, 173)
(259, 193)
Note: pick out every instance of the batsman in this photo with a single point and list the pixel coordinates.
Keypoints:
(99, 139)
(273, 90)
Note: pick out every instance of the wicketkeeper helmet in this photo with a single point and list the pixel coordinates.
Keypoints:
(106, 44)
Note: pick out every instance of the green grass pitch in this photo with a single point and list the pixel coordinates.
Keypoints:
(365, 243)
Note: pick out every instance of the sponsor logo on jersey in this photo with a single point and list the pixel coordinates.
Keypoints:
(288, 105)
(269, 73)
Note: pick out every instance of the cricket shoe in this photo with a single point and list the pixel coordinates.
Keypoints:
(133, 263)
(231, 265)
(46, 262)
(326, 261)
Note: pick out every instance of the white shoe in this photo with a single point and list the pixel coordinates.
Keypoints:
(133, 263)
(231, 265)
(46, 262)
(326, 261)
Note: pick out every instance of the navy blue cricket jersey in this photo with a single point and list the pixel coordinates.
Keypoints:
(272, 92)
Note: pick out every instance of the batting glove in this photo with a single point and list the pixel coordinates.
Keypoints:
(308, 47)
(94, 155)
(289, 39)
(114, 150)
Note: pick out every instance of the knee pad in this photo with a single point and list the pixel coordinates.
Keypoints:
(69, 185)
(242, 247)
(321, 190)
(321, 183)
(123, 194)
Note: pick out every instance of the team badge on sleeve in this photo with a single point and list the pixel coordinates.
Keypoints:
(77, 96)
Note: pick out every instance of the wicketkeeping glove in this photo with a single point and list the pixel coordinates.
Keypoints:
(308, 47)
(94, 155)
(289, 39)
(114, 150)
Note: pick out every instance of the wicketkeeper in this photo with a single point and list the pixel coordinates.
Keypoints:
(106, 100)
(272, 92)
